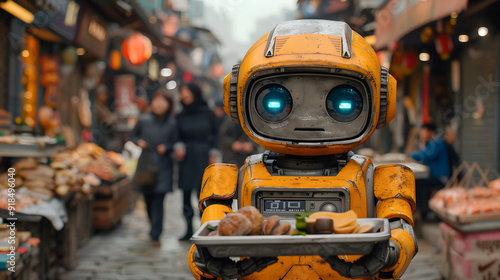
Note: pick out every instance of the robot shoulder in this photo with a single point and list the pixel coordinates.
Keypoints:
(220, 181)
(395, 181)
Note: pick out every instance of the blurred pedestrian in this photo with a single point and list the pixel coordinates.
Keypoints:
(198, 136)
(235, 145)
(156, 133)
(435, 156)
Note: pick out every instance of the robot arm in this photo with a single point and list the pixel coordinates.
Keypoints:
(395, 189)
(218, 189)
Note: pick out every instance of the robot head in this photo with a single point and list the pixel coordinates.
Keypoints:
(310, 87)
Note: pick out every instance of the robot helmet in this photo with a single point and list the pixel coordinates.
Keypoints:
(310, 87)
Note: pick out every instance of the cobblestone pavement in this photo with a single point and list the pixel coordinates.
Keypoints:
(126, 252)
(427, 263)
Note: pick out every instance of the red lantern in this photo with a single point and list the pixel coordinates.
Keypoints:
(444, 46)
(409, 61)
(137, 49)
(217, 70)
(187, 77)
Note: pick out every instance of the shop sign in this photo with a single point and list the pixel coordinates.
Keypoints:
(97, 30)
(125, 94)
(153, 69)
(92, 33)
(399, 17)
(60, 16)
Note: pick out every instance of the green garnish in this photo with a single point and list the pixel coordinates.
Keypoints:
(300, 223)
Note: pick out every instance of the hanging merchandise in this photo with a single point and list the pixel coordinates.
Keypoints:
(49, 121)
(450, 26)
(115, 60)
(137, 48)
(427, 35)
(49, 78)
(83, 108)
(444, 46)
(403, 63)
(30, 80)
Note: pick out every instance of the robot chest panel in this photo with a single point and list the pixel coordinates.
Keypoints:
(286, 195)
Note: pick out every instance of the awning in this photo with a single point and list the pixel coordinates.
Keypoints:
(399, 17)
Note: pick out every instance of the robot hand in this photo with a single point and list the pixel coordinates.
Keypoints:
(227, 268)
(383, 255)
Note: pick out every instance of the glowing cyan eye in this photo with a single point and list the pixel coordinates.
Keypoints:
(345, 105)
(274, 104)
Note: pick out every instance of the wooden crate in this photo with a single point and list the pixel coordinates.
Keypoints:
(108, 212)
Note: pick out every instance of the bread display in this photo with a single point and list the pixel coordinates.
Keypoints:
(249, 221)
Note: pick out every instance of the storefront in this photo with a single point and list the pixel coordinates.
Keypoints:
(480, 93)
(63, 188)
(447, 70)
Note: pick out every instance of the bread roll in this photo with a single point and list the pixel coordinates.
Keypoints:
(234, 224)
(254, 216)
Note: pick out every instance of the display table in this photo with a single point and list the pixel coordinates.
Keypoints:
(111, 203)
(46, 264)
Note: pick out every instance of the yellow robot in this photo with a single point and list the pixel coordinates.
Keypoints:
(309, 92)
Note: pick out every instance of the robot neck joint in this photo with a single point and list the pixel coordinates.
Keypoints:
(291, 165)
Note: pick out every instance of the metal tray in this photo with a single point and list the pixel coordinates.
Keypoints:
(291, 245)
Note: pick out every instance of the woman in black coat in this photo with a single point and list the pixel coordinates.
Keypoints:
(198, 134)
(157, 133)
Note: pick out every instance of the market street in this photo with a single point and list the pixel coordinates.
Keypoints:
(126, 253)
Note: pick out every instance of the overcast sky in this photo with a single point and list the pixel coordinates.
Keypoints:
(239, 23)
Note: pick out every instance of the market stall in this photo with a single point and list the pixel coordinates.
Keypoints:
(469, 206)
(106, 172)
(54, 202)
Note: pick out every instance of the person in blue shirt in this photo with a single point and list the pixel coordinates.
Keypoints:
(435, 156)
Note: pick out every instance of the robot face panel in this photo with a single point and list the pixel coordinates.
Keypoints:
(310, 87)
(308, 108)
